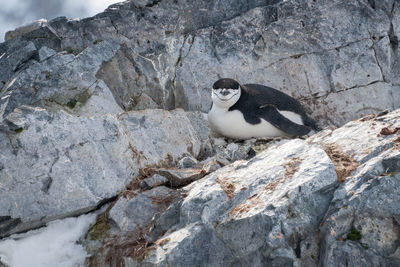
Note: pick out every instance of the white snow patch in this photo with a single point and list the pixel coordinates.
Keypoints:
(53, 245)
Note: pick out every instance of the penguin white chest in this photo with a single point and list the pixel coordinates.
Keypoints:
(232, 124)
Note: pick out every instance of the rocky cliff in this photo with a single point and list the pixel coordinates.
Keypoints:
(108, 111)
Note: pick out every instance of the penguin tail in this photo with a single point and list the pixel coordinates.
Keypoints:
(311, 123)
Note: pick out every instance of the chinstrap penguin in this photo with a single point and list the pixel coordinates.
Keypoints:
(253, 110)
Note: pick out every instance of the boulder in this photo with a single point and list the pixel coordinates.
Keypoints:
(360, 227)
(153, 181)
(56, 165)
(329, 200)
(258, 212)
(63, 79)
(134, 211)
(25, 29)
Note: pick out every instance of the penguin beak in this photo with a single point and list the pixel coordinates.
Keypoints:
(224, 92)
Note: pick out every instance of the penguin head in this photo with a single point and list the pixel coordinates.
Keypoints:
(225, 92)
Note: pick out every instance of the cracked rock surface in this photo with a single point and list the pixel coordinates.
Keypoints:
(110, 110)
(58, 165)
(329, 200)
(325, 53)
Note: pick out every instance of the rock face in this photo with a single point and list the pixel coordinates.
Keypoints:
(108, 109)
(170, 53)
(329, 200)
(256, 213)
(56, 165)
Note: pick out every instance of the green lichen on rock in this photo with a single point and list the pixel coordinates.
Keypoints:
(100, 229)
(72, 103)
(70, 50)
(364, 245)
(19, 130)
(47, 75)
(354, 235)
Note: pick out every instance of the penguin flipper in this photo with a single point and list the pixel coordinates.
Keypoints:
(273, 116)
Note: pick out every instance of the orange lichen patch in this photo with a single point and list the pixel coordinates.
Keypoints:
(344, 164)
(271, 186)
(246, 206)
(278, 236)
(227, 186)
(388, 131)
(292, 166)
(332, 232)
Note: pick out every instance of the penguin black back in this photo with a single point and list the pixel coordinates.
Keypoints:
(256, 95)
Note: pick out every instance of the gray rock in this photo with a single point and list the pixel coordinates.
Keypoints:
(9, 63)
(233, 151)
(25, 29)
(171, 53)
(63, 129)
(180, 177)
(394, 8)
(213, 163)
(101, 102)
(361, 139)
(361, 226)
(162, 137)
(45, 53)
(200, 124)
(62, 80)
(285, 207)
(56, 165)
(355, 103)
(132, 213)
(210, 251)
(16, 59)
(153, 181)
(187, 162)
(301, 68)
(78, 34)
(38, 32)
(134, 79)
(353, 68)
(253, 212)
